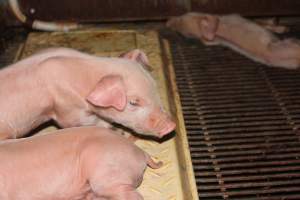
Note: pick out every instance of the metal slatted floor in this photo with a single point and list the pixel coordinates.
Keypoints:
(242, 120)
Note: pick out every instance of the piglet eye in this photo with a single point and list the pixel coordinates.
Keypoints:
(134, 102)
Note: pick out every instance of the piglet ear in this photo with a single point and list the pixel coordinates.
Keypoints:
(209, 25)
(172, 22)
(138, 56)
(109, 92)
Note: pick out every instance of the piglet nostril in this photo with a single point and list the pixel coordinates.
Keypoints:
(169, 127)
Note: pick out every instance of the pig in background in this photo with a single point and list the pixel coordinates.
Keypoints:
(77, 89)
(255, 41)
(82, 163)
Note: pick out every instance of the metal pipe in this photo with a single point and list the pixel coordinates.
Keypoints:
(38, 24)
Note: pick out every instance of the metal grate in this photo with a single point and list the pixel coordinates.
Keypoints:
(242, 120)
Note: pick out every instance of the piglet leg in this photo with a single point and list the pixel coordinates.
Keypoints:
(276, 28)
(127, 193)
(151, 163)
(92, 196)
(272, 25)
(285, 53)
(120, 192)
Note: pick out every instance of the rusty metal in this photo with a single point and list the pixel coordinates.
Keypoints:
(86, 11)
(38, 24)
(248, 7)
(118, 10)
(95, 11)
(242, 121)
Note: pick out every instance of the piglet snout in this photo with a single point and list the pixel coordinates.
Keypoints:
(160, 123)
(168, 127)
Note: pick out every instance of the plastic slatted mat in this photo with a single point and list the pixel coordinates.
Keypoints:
(242, 121)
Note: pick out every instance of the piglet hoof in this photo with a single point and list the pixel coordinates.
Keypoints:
(153, 164)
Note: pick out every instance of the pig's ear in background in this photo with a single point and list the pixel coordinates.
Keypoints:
(208, 26)
(138, 56)
(109, 92)
(171, 23)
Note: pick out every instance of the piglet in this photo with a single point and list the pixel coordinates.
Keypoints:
(74, 163)
(255, 41)
(77, 89)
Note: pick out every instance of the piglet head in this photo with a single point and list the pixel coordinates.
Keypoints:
(195, 25)
(130, 97)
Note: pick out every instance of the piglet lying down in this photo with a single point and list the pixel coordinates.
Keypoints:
(248, 38)
(77, 89)
(75, 163)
